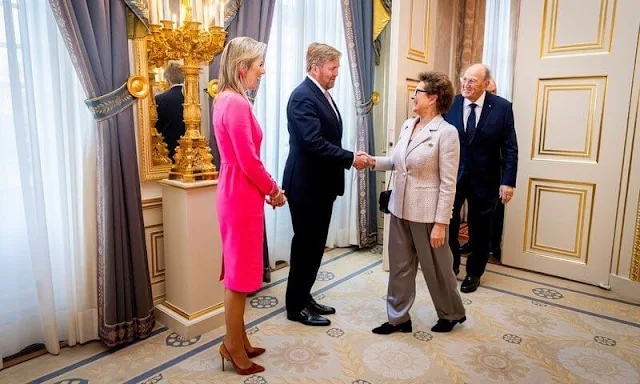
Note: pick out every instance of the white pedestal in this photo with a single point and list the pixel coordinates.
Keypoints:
(193, 258)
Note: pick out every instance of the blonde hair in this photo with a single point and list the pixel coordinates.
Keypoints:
(239, 54)
(318, 54)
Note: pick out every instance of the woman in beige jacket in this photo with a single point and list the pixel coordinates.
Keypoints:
(425, 167)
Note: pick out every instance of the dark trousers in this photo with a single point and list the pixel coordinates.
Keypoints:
(310, 229)
(481, 211)
(496, 234)
(496, 231)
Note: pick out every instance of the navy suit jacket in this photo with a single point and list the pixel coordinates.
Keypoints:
(491, 159)
(170, 117)
(316, 163)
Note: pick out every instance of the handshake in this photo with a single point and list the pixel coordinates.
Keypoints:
(363, 160)
(277, 199)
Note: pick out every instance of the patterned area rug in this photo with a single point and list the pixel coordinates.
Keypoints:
(521, 328)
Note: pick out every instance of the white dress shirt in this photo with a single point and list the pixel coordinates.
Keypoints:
(325, 92)
(467, 111)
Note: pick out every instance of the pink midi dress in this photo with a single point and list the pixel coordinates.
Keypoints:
(242, 187)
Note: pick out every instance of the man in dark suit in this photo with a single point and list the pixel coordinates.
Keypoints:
(495, 249)
(313, 178)
(169, 105)
(486, 128)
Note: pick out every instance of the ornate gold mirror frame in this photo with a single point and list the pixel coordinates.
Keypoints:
(153, 154)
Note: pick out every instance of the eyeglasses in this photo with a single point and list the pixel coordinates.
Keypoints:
(470, 81)
(415, 93)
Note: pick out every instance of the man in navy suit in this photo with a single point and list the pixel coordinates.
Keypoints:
(487, 145)
(313, 178)
(170, 111)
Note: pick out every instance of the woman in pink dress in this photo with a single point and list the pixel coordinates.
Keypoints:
(243, 187)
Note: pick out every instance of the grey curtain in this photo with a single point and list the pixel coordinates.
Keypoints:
(358, 28)
(245, 18)
(95, 32)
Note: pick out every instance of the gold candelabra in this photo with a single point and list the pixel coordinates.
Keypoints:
(194, 46)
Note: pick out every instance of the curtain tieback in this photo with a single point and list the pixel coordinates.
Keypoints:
(363, 109)
(106, 106)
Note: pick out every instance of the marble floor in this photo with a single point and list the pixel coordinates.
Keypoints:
(522, 328)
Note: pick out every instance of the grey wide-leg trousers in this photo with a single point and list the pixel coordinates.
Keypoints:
(409, 244)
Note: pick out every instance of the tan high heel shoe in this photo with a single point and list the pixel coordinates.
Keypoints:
(225, 355)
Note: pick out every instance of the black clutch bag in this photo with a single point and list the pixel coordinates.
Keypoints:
(384, 201)
(385, 196)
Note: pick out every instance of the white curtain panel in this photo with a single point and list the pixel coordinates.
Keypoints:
(296, 24)
(47, 187)
(500, 43)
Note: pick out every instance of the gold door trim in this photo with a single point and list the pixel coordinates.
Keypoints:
(553, 47)
(530, 243)
(545, 86)
(421, 56)
(635, 259)
(632, 118)
(412, 84)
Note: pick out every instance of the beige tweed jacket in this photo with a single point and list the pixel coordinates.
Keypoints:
(425, 172)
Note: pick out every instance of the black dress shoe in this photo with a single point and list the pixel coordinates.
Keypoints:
(446, 325)
(321, 309)
(466, 247)
(387, 328)
(308, 317)
(470, 284)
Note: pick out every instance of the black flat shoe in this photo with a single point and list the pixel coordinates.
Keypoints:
(466, 247)
(308, 317)
(321, 309)
(446, 325)
(387, 328)
(470, 284)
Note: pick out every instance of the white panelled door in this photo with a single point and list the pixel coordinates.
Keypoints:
(573, 77)
(411, 52)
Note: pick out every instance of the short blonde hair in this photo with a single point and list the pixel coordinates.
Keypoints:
(318, 54)
(239, 54)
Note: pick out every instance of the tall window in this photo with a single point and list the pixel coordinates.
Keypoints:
(501, 27)
(47, 186)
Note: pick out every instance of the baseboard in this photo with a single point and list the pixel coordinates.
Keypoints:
(188, 329)
(21, 357)
(626, 288)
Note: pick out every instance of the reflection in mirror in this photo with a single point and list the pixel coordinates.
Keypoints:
(170, 121)
(160, 152)
(159, 124)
